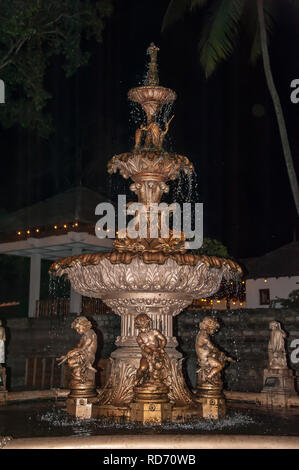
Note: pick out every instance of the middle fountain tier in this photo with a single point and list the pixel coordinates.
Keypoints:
(158, 277)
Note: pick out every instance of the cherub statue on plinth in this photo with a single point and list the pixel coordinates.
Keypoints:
(276, 347)
(154, 363)
(210, 359)
(151, 402)
(211, 362)
(80, 360)
(279, 380)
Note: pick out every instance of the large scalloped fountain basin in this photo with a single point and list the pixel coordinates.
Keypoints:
(104, 279)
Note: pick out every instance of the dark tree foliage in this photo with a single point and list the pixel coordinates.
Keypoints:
(32, 33)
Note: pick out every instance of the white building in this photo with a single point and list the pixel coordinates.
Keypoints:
(272, 276)
(60, 226)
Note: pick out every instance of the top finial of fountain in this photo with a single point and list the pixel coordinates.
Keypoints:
(151, 96)
(152, 77)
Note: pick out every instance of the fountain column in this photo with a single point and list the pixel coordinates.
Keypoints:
(161, 308)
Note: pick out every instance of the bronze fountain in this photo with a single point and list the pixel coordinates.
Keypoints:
(155, 278)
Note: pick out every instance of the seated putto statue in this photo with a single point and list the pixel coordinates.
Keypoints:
(276, 347)
(81, 358)
(154, 135)
(154, 363)
(210, 359)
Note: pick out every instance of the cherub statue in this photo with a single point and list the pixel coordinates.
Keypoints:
(81, 358)
(154, 135)
(210, 359)
(276, 347)
(154, 363)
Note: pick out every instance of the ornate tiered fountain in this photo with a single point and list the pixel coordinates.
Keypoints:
(158, 277)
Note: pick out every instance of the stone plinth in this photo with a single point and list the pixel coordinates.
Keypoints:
(79, 407)
(279, 385)
(211, 400)
(213, 408)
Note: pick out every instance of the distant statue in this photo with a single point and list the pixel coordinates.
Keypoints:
(210, 359)
(81, 358)
(154, 363)
(2, 343)
(276, 347)
(154, 135)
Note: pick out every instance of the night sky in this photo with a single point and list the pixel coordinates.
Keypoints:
(226, 126)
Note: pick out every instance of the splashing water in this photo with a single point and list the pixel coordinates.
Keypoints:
(57, 418)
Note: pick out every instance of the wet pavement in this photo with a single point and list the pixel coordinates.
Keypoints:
(48, 419)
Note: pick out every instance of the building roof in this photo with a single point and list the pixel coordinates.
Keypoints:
(283, 261)
(75, 204)
(57, 246)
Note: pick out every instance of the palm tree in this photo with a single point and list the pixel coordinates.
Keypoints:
(219, 35)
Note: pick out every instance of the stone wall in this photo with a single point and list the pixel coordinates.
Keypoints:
(244, 335)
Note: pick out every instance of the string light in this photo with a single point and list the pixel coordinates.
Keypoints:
(45, 229)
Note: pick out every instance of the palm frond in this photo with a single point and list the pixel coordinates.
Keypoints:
(175, 12)
(219, 33)
(269, 14)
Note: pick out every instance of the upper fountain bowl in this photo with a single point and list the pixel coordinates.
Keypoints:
(151, 98)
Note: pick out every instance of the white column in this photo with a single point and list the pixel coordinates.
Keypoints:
(34, 284)
(75, 298)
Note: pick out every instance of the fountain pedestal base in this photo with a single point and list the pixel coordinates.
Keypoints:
(132, 412)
